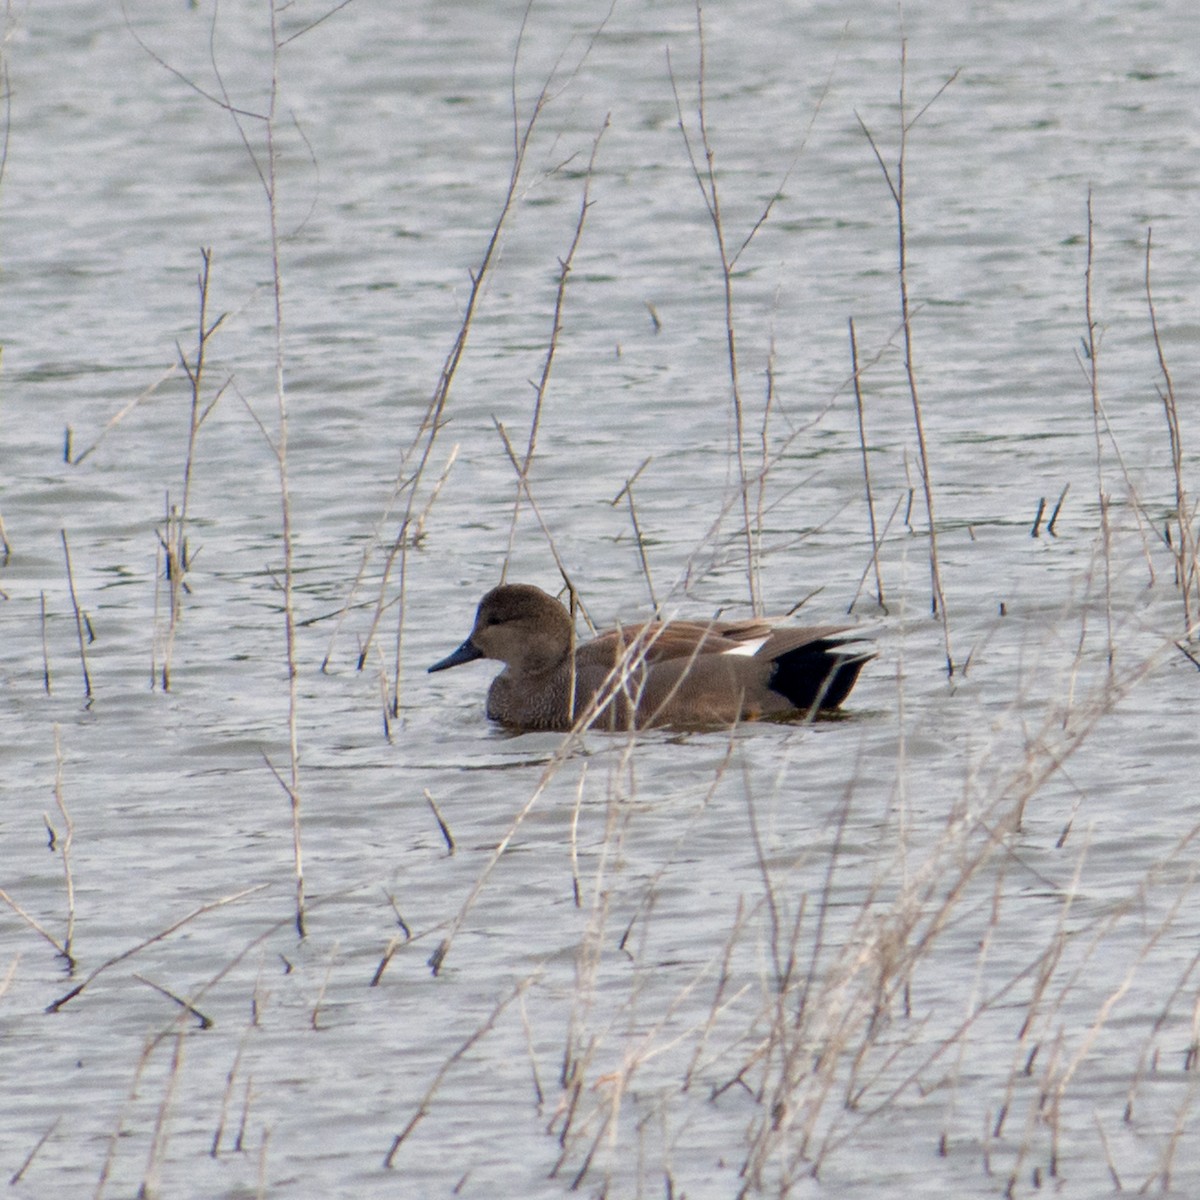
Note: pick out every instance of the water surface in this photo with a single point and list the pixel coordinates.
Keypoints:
(805, 961)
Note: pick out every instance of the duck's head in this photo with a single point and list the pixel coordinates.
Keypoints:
(517, 624)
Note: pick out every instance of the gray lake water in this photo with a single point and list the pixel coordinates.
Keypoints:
(946, 945)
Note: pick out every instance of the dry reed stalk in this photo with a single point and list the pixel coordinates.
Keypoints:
(1143, 517)
(385, 707)
(63, 946)
(422, 1109)
(203, 1021)
(835, 1138)
(64, 848)
(5, 93)
(394, 943)
(1091, 368)
(10, 974)
(45, 647)
(578, 1048)
(535, 1077)
(1113, 1174)
(1057, 509)
(150, 941)
(862, 579)
(1185, 551)
(626, 493)
(959, 1064)
(110, 1154)
(33, 924)
(693, 569)
(573, 840)
(896, 183)
(556, 326)
(1162, 1173)
(265, 165)
(19, 1173)
(248, 1097)
(524, 485)
(1035, 531)
(263, 1146)
(447, 836)
(761, 474)
(417, 536)
(226, 1094)
(592, 1099)
(314, 1020)
(862, 444)
(1055, 1081)
(783, 1016)
(159, 572)
(293, 796)
(115, 419)
(280, 446)
(722, 1000)
(389, 951)
(80, 622)
(149, 1186)
(173, 538)
(549, 771)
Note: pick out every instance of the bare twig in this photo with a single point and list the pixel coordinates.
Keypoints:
(543, 383)
(188, 1007)
(34, 924)
(523, 481)
(120, 415)
(481, 1032)
(1185, 548)
(447, 836)
(80, 620)
(19, 1173)
(1092, 370)
(705, 174)
(45, 647)
(150, 941)
(862, 443)
(896, 186)
(64, 847)
(174, 536)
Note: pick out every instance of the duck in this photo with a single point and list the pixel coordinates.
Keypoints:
(678, 674)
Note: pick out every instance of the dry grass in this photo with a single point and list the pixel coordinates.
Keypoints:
(866, 966)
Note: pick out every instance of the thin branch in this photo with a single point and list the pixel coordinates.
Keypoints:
(150, 941)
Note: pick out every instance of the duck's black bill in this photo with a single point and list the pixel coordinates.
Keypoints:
(467, 652)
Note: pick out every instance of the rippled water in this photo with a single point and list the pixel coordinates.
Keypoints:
(814, 961)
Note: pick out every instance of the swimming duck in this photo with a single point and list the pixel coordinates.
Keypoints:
(679, 674)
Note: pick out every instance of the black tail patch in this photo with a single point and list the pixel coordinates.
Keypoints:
(820, 674)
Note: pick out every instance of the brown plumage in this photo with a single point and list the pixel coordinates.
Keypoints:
(683, 674)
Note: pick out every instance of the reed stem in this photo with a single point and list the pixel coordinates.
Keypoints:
(896, 182)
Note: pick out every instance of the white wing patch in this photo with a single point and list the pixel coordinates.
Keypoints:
(749, 648)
